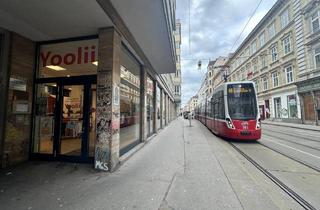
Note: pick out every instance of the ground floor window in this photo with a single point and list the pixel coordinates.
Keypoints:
(150, 106)
(277, 107)
(292, 106)
(129, 102)
(158, 102)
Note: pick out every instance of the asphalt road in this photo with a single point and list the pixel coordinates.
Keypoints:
(292, 156)
(300, 144)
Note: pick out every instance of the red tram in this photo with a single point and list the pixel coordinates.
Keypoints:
(232, 111)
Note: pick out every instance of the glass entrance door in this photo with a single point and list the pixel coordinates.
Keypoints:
(64, 124)
(72, 120)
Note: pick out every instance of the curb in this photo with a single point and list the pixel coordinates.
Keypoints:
(290, 126)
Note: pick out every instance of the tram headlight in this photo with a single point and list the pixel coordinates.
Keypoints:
(259, 123)
(229, 123)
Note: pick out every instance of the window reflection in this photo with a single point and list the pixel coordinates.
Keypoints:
(158, 116)
(129, 103)
(150, 107)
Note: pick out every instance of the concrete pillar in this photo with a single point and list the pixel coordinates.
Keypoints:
(108, 100)
(143, 100)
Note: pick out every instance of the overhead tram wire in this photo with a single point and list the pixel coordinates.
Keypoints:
(254, 12)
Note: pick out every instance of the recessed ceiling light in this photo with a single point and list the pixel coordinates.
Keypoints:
(56, 68)
(95, 63)
(68, 75)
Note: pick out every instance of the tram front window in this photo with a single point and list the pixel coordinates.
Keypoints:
(242, 102)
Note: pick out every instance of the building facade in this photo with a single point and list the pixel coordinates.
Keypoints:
(308, 46)
(268, 56)
(177, 77)
(216, 72)
(84, 84)
(192, 103)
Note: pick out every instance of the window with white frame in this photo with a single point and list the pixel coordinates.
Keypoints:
(275, 79)
(274, 53)
(286, 45)
(289, 74)
(256, 82)
(284, 18)
(315, 21)
(272, 30)
(243, 74)
(265, 83)
(317, 57)
(263, 61)
(261, 39)
(253, 47)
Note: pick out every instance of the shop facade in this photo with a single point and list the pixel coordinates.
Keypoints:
(81, 97)
(68, 106)
(309, 92)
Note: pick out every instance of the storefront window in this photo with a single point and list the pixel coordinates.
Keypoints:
(158, 108)
(129, 102)
(164, 109)
(68, 59)
(292, 106)
(150, 106)
(45, 105)
(19, 101)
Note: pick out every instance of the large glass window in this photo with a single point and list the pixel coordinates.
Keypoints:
(292, 106)
(242, 103)
(158, 108)
(45, 105)
(129, 102)
(150, 106)
(164, 109)
(68, 59)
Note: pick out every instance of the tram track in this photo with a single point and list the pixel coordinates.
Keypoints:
(287, 140)
(301, 201)
(291, 157)
(293, 135)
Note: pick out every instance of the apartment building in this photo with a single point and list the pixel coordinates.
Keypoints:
(192, 103)
(216, 72)
(177, 76)
(268, 56)
(307, 24)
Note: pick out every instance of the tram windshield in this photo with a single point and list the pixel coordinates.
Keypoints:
(242, 103)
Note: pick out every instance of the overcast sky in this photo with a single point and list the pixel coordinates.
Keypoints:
(214, 27)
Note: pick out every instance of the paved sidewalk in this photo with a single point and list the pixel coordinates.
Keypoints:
(181, 168)
(292, 125)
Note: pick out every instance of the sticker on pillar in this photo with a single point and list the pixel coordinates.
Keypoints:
(101, 158)
(116, 93)
(104, 80)
(103, 98)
